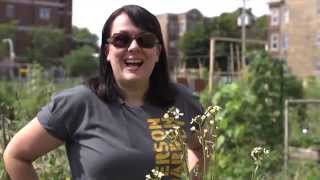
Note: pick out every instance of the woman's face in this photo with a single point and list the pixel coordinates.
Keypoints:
(130, 63)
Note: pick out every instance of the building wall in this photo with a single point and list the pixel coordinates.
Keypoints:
(173, 26)
(35, 13)
(302, 34)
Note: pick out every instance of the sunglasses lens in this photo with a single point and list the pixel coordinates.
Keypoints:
(146, 40)
(121, 40)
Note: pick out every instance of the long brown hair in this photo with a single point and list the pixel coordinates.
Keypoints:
(161, 91)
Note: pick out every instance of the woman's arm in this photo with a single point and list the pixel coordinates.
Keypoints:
(26, 146)
(195, 156)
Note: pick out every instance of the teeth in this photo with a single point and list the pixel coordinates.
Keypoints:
(133, 61)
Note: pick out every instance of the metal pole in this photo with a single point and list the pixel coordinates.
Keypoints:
(243, 34)
(286, 136)
(231, 61)
(211, 67)
(12, 55)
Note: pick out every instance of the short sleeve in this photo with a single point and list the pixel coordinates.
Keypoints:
(62, 115)
(188, 105)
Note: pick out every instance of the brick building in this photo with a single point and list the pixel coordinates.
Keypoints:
(35, 13)
(173, 26)
(294, 35)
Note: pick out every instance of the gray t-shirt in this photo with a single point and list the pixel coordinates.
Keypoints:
(113, 141)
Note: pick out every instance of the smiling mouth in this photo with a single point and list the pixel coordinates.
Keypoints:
(133, 63)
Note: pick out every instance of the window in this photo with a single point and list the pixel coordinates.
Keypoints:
(275, 17)
(173, 27)
(173, 44)
(317, 67)
(318, 40)
(274, 42)
(285, 42)
(182, 27)
(286, 15)
(44, 13)
(10, 10)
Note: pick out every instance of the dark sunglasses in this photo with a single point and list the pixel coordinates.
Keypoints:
(123, 40)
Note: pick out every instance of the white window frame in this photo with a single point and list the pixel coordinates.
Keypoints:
(44, 13)
(274, 42)
(317, 39)
(10, 10)
(317, 67)
(275, 17)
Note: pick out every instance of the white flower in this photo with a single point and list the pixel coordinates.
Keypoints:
(160, 174)
(148, 176)
(304, 130)
(166, 115)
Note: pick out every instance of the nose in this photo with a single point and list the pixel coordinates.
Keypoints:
(133, 45)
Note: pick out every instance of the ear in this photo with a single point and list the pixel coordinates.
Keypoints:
(106, 51)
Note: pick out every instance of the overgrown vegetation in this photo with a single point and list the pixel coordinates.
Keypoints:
(251, 115)
(20, 102)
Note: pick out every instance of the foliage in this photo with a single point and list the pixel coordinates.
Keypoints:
(22, 101)
(259, 29)
(81, 62)
(7, 30)
(47, 45)
(249, 107)
(82, 36)
(196, 43)
(311, 88)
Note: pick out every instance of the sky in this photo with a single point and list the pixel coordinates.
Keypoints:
(91, 14)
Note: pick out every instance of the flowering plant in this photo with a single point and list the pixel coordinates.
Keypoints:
(205, 127)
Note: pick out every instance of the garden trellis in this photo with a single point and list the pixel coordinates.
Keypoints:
(312, 154)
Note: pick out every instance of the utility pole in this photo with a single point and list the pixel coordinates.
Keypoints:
(243, 34)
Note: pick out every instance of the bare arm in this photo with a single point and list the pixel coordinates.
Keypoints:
(27, 145)
(195, 156)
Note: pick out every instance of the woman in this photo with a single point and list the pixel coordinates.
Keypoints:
(112, 126)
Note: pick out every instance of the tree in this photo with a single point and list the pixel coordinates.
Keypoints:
(252, 115)
(193, 44)
(82, 36)
(7, 30)
(81, 62)
(47, 45)
(196, 43)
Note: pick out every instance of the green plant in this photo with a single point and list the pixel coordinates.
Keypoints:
(20, 101)
(204, 128)
(251, 115)
(80, 62)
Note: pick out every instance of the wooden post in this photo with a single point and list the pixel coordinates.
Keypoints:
(211, 66)
(231, 61)
(238, 58)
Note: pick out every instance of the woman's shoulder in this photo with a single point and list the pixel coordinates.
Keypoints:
(183, 91)
(76, 94)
